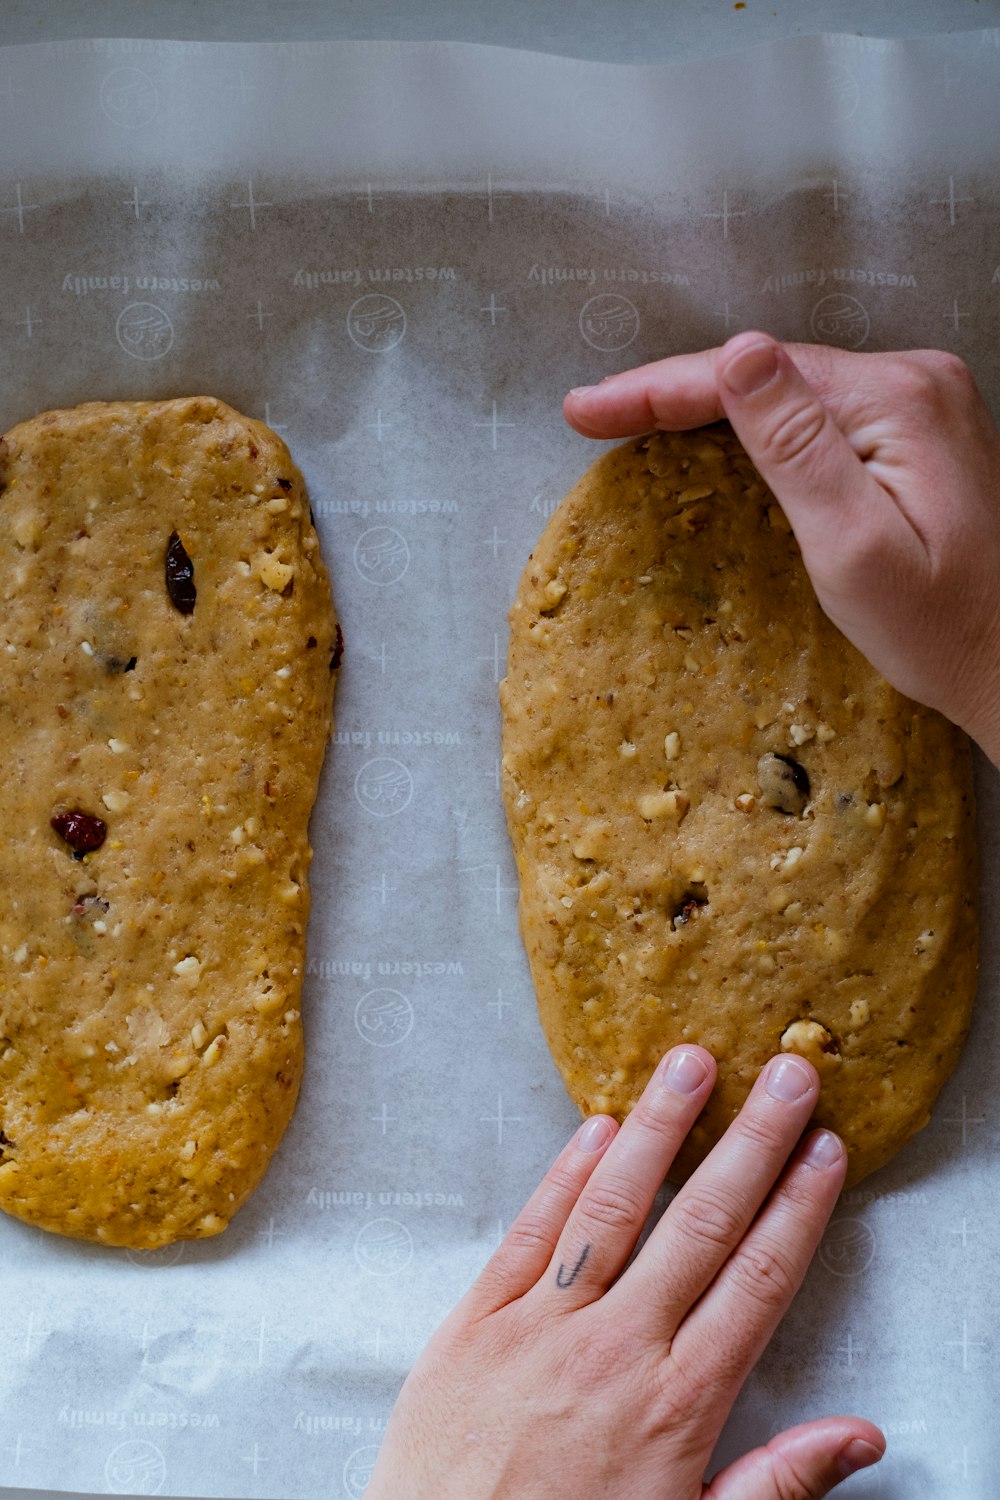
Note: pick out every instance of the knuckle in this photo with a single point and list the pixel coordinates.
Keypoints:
(614, 1204)
(706, 1221)
(795, 431)
(799, 1192)
(790, 1484)
(764, 1276)
(766, 1132)
(530, 1233)
(945, 367)
(592, 1347)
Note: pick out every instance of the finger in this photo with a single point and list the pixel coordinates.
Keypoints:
(804, 1463)
(529, 1242)
(715, 1208)
(602, 1230)
(683, 391)
(796, 445)
(723, 1337)
(674, 394)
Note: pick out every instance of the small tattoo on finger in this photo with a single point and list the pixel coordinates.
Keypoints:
(562, 1279)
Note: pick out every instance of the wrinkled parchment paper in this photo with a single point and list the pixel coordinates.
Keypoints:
(401, 257)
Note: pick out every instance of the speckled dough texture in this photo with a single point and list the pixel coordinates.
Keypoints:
(150, 1038)
(729, 829)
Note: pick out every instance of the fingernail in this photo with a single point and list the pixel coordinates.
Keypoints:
(751, 369)
(788, 1078)
(823, 1150)
(595, 1133)
(857, 1455)
(685, 1072)
(581, 390)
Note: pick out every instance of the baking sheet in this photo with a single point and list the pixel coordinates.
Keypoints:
(401, 257)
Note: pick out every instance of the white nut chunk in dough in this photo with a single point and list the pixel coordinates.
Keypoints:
(663, 805)
(811, 1040)
(274, 574)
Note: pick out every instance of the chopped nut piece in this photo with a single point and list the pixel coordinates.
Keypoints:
(672, 745)
(627, 750)
(187, 1150)
(924, 941)
(811, 1040)
(592, 841)
(273, 573)
(199, 1036)
(555, 592)
(860, 1013)
(798, 734)
(116, 801)
(117, 747)
(745, 802)
(673, 804)
(189, 970)
(695, 492)
(875, 815)
(825, 734)
(213, 1051)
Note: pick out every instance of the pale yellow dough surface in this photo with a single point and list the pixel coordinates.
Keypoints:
(150, 1037)
(665, 638)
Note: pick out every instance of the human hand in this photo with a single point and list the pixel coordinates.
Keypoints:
(561, 1374)
(888, 468)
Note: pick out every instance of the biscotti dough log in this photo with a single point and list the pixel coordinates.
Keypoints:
(728, 828)
(167, 641)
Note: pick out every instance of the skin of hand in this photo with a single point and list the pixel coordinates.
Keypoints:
(888, 468)
(567, 1371)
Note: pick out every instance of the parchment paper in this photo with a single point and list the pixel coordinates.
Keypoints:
(401, 257)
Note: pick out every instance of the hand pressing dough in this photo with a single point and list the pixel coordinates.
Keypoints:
(729, 829)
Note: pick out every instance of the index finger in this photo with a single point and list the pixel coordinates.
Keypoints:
(682, 391)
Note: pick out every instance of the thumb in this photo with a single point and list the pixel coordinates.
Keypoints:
(804, 1463)
(793, 440)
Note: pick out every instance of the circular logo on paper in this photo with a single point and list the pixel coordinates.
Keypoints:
(609, 321)
(848, 1247)
(381, 555)
(144, 330)
(602, 111)
(168, 1256)
(129, 98)
(376, 322)
(135, 1468)
(839, 92)
(383, 1247)
(841, 320)
(383, 786)
(384, 1017)
(358, 1471)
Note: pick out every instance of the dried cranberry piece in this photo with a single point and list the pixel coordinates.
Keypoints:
(180, 576)
(82, 831)
(689, 904)
(338, 651)
(91, 906)
(286, 484)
